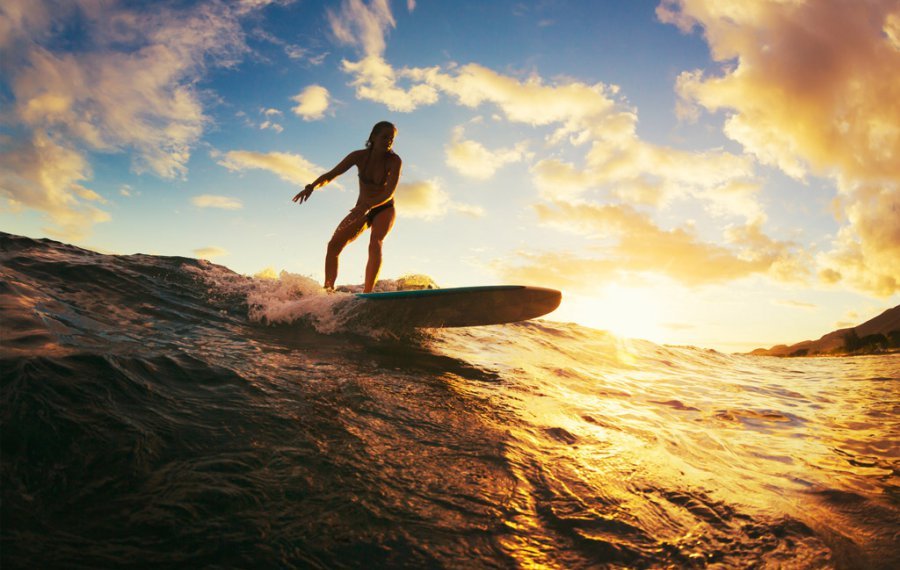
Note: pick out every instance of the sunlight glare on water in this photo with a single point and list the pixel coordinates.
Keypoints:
(662, 438)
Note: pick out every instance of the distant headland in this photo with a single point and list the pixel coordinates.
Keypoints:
(876, 336)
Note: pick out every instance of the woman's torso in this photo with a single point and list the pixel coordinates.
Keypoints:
(373, 176)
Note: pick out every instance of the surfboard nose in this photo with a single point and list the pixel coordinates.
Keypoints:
(543, 300)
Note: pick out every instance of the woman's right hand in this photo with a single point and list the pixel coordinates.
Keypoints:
(303, 195)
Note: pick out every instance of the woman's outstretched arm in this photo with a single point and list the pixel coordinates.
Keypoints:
(342, 167)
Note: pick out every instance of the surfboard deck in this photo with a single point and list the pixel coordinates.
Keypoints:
(462, 306)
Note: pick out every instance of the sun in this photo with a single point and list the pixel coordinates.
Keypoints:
(628, 312)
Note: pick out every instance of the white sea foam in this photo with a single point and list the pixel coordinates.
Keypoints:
(291, 298)
(288, 298)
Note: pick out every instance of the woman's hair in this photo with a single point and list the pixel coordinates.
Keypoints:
(377, 128)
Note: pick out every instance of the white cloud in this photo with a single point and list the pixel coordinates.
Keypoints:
(312, 103)
(376, 80)
(361, 25)
(220, 202)
(269, 125)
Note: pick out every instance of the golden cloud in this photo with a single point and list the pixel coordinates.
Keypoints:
(472, 159)
(627, 241)
(426, 200)
(289, 167)
(44, 174)
(812, 87)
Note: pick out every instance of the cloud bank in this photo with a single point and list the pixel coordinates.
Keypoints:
(619, 170)
(807, 87)
(812, 88)
(127, 85)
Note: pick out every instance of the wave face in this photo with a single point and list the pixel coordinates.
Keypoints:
(167, 412)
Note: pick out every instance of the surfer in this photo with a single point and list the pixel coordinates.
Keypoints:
(379, 171)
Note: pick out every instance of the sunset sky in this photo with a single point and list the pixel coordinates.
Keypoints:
(718, 173)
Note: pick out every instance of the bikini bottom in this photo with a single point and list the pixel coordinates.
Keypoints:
(370, 215)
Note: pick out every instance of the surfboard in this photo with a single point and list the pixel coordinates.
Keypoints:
(462, 306)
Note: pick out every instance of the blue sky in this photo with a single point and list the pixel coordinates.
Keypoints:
(722, 174)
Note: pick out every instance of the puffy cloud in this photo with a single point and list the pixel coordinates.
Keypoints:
(867, 250)
(423, 199)
(292, 168)
(472, 159)
(572, 104)
(426, 200)
(220, 202)
(376, 80)
(812, 87)
(312, 103)
(131, 88)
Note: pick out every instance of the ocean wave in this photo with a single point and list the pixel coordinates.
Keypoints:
(168, 411)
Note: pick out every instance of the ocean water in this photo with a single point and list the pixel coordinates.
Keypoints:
(163, 412)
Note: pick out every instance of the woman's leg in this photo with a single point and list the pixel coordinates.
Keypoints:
(381, 225)
(347, 231)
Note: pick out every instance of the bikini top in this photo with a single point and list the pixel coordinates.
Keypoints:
(362, 172)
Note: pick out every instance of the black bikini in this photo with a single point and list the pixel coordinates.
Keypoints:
(370, 215)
